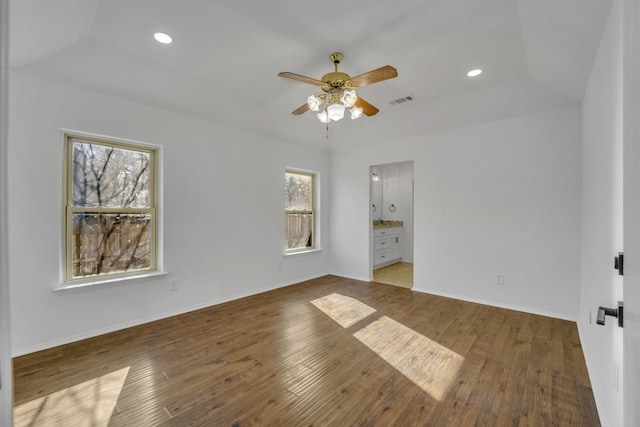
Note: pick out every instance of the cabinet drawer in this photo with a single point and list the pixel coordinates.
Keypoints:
(380, 257)
(380, 243)
(377, 232)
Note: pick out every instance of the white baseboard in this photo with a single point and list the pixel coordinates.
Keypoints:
(596, 387)
(530, 310)
(93, 333)
(346, 276)
(140, 321)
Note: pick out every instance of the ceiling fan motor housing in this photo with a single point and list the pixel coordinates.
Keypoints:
(336, 80)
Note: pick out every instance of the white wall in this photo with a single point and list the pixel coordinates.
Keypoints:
(602, 237)
(500, 197)
(223, 213)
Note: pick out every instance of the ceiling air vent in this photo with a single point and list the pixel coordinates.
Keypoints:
(402, 100)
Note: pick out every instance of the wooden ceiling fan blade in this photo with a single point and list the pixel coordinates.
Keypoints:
(380, 74)
(300, 110)
(367, 108)
(300, 78)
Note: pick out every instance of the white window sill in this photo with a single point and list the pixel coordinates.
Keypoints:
(306, 251)
(101, 283)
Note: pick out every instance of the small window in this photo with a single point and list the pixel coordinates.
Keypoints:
(110, 209)
(299, 210)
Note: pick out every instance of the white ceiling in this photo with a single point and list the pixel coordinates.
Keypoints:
(223, 64)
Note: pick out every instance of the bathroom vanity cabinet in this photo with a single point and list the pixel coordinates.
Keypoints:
(387, 246)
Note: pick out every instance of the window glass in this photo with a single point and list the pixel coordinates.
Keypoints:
(110, 243)
(110, 209)
(299, 210)
(110, 177)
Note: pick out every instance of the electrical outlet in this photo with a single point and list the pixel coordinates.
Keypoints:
(499, 279)
(174, 285)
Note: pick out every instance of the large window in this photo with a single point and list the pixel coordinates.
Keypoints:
(110, 209)
(299, 209)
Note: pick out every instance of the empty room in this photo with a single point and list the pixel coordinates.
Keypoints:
(246, 213)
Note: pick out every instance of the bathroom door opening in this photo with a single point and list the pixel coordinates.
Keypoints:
(391, 199)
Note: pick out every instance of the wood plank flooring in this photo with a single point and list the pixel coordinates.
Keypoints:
(280, 359)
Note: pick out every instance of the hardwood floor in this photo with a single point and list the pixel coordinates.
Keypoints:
(329, 351)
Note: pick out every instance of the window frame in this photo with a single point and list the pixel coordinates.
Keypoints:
(313, 212)
(68, 210)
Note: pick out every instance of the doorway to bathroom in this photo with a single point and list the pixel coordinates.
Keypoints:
(391, 222)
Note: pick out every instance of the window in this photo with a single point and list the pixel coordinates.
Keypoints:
(110, 209)
(299, 210)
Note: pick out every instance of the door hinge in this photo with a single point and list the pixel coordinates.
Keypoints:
(618, 263)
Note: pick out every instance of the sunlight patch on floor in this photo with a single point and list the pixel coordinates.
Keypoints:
(90, 403)
(345, 310)
(429, 365)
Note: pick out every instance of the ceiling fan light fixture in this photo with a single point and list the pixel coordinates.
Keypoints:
(349, 98)
(335, 112)
(356, 112)
(339, 92)
(324, 117)
(314, 102)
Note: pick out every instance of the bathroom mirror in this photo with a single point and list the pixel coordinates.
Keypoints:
(376, 192)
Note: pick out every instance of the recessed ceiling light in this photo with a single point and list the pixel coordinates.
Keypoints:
(474, 73)
(163, 38)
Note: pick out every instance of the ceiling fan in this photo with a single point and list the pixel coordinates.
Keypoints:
(339, 91)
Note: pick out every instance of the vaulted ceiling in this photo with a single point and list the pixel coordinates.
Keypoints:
(223, 64)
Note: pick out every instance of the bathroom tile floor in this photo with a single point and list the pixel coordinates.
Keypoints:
(399, 274)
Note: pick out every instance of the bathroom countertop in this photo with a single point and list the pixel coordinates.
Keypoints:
(387, 224)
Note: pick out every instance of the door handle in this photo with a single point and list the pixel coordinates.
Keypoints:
(613, 312)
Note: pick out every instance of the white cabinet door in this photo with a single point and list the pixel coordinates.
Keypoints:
(396, 247)
(387, 246)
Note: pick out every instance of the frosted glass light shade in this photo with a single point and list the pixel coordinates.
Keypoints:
(335, 112)
(314, 103)
(348, 98)
(324, 117)
(356, 112)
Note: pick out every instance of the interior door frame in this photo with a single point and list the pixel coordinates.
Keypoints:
(631, 212)
(372, 215)
(6, 383)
